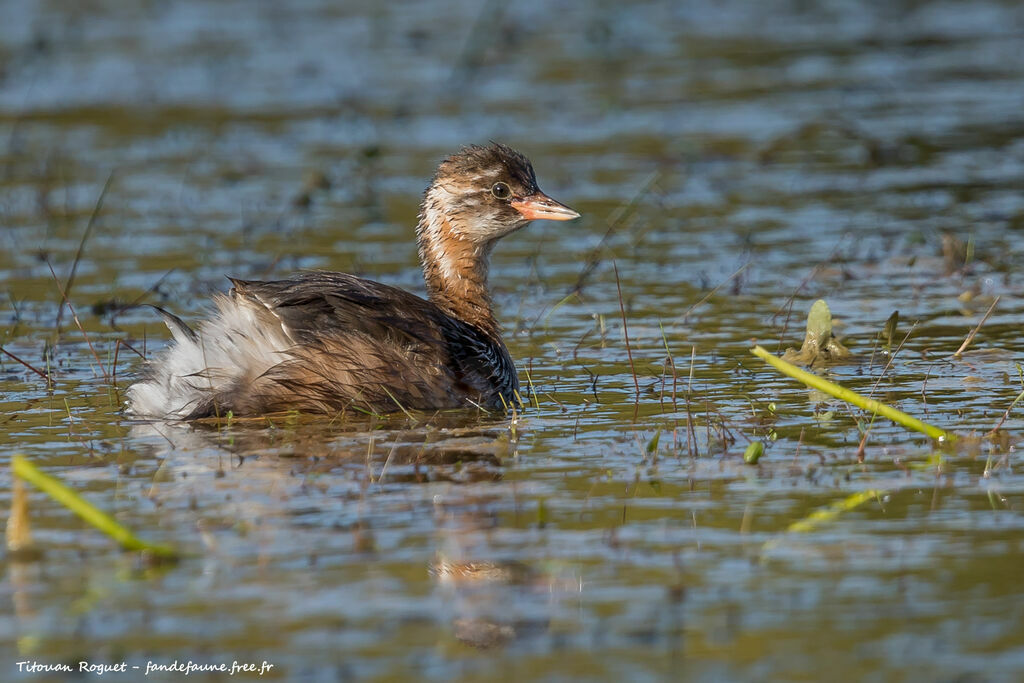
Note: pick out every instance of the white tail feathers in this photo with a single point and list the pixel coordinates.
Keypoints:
(241, 341)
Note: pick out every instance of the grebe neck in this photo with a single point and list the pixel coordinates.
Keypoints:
(454, 267)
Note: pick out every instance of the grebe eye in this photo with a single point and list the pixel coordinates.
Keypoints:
(501, 190)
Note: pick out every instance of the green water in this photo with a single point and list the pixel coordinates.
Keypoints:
(869, 154)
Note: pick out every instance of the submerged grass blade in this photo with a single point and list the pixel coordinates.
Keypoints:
(57, 490)
(401, 407)
(844, 394)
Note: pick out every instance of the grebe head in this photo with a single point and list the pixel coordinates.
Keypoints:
(485, 193)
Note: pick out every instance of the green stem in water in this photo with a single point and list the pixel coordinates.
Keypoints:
(852, 397)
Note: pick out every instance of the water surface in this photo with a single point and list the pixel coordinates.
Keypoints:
(869, 154)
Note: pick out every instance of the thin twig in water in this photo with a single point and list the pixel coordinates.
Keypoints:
(789, 302)
(117, 349)
(672, 363)
(166, 438)
(707, 418)
(39, 372)
(691, 432)
(661, 394)
(74, 316)
(788, 305)
(139, 299)
(712, 292)
(924, 388)
(970, 337)
(387, 461)
(892, 357)
(864, 431)
(862, 446)
(625, 334)
(529, 381)
(871, 363)
(560, 404)
(1006, 415)
(81, 248)
(407, 413)
(546, 314)
(615, 221)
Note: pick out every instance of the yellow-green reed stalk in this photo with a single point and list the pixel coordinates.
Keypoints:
(852, 397)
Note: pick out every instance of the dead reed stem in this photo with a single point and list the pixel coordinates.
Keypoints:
(39, 372)
(970, 337)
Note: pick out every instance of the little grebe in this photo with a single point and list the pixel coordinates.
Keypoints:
(324, 342)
